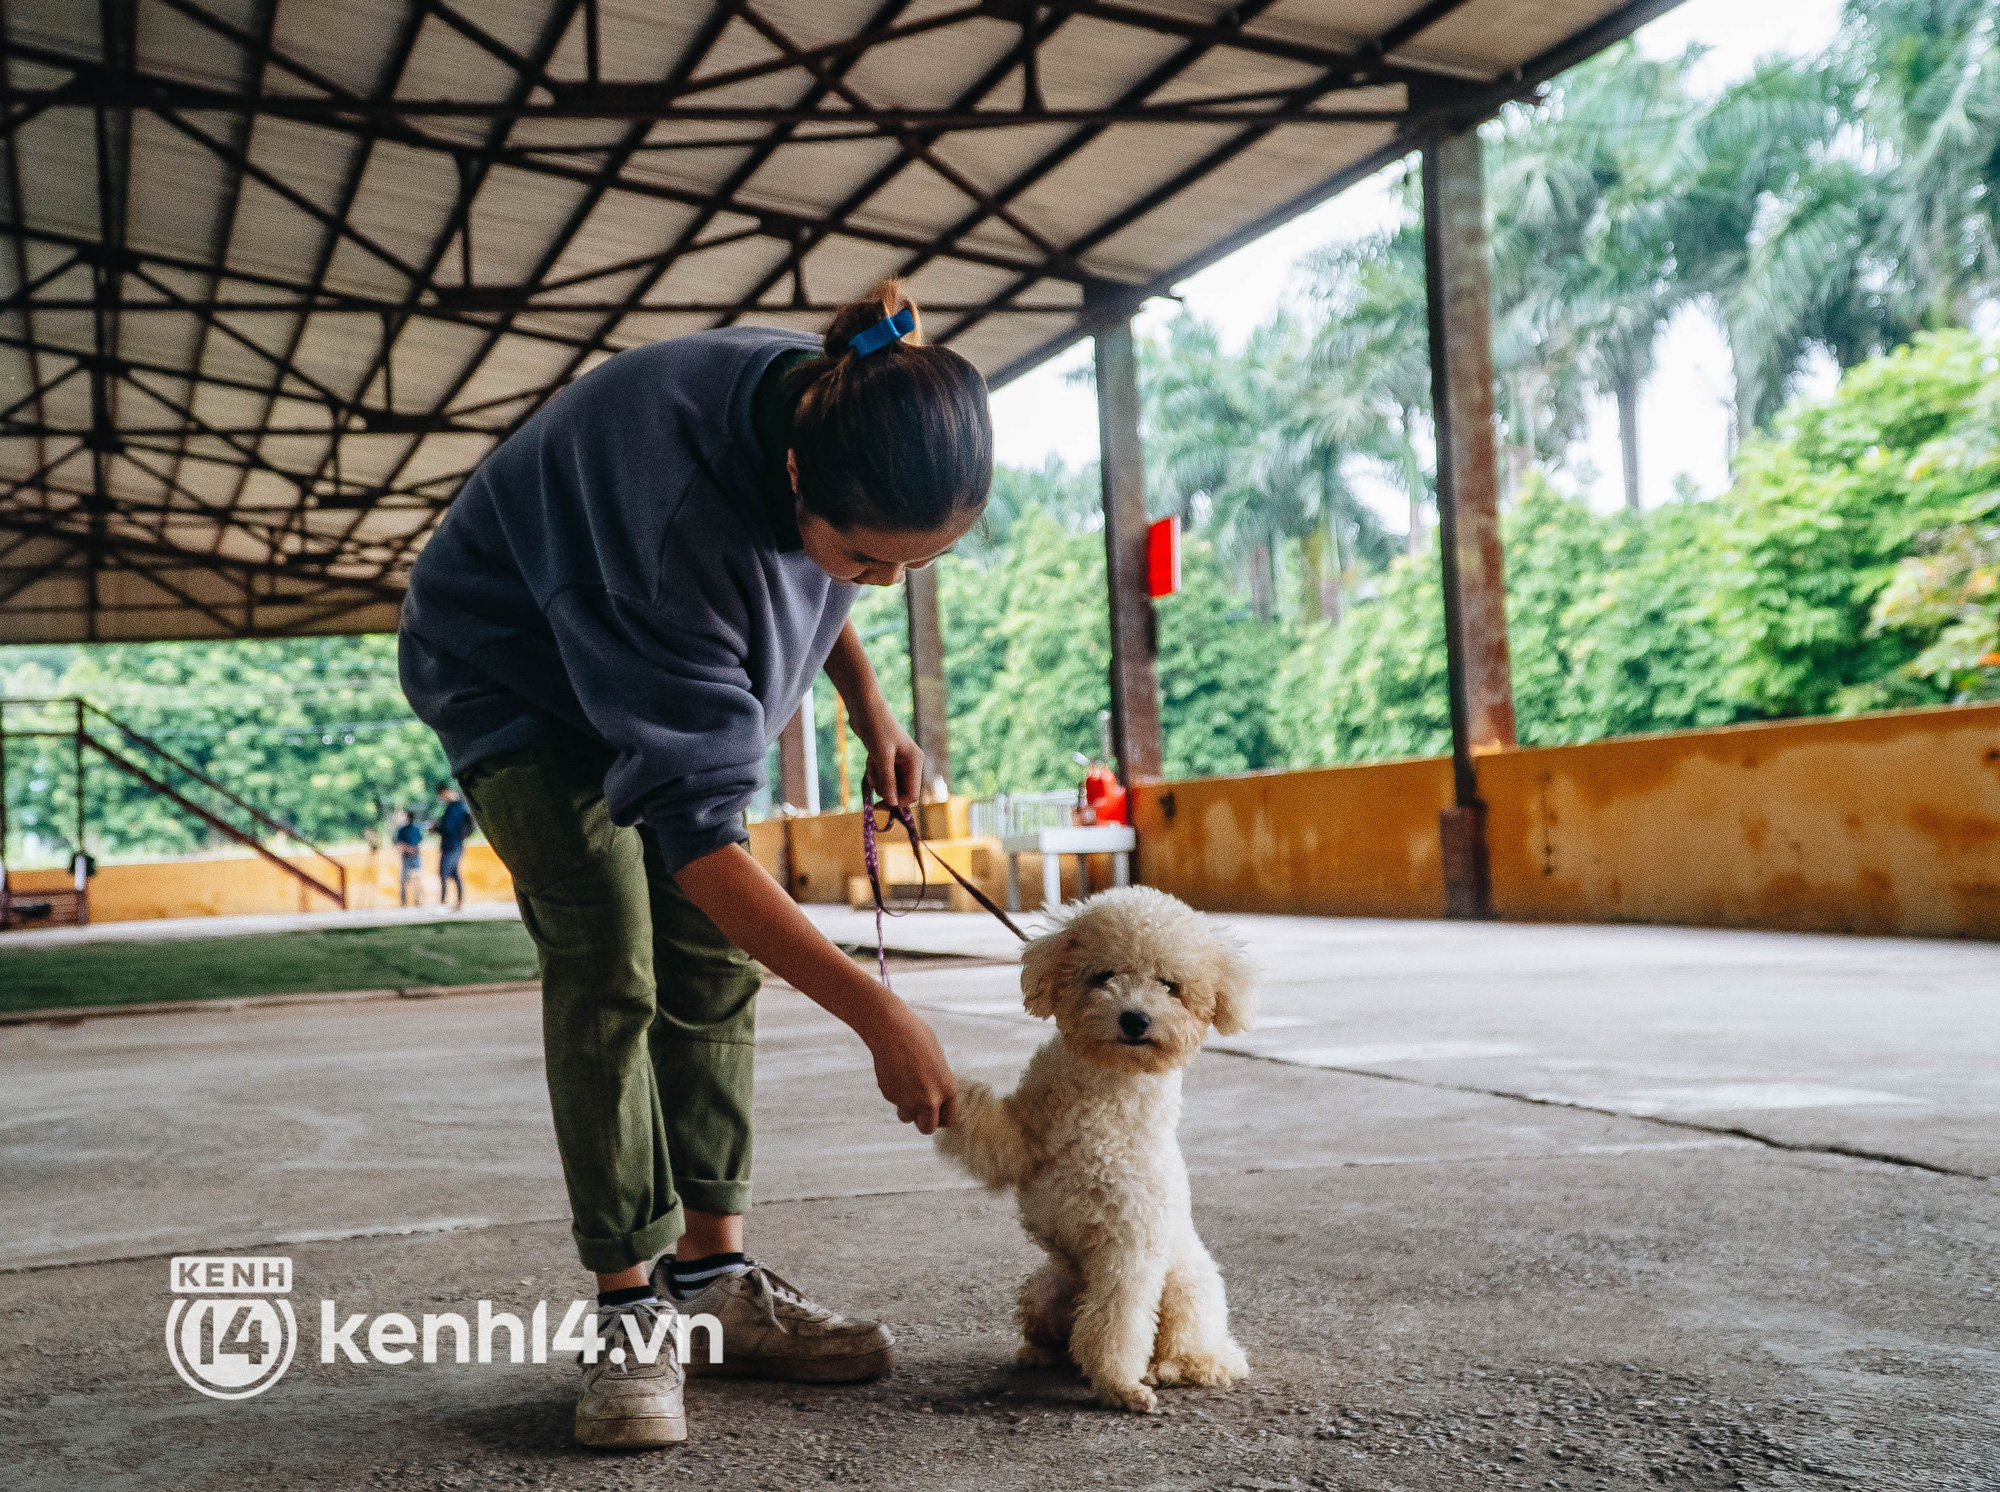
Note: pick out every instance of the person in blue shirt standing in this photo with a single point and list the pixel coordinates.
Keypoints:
(410, 841)
(454, 827)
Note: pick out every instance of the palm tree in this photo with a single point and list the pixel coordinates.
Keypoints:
(1252, 448)
(1372, 348)
(1926, 77)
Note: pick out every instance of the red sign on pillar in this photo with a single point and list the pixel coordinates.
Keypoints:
(1163, 557)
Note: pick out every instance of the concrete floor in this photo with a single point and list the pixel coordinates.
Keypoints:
(1587, 1207)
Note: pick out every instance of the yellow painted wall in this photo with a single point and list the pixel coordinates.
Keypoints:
(826, 847)
(1349, 841)
(1888, 823)
(767, 846)
(241, 885)
(1882, 824)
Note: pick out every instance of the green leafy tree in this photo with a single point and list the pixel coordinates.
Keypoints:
(1822, 515)
(313, 731)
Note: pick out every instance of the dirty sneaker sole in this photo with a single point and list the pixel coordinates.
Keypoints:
(633, 1432)
(797, 1369)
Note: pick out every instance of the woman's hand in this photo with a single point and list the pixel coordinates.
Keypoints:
(910, 1068)
(895, 762)
(895, 765)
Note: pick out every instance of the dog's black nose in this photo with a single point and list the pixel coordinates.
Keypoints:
(1135, 1023)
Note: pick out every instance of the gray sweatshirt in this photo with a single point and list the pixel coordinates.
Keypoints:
(626, 565)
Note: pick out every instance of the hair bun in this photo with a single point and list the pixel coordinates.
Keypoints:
(884, 301)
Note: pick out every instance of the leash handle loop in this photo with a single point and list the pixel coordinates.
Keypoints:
(871, 857)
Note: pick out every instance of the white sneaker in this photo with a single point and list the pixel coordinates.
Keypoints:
(770, 1330)
(625, 1403)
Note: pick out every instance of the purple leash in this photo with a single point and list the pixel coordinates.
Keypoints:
(871, 856)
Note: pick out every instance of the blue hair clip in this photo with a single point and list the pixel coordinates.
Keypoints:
(882, 333)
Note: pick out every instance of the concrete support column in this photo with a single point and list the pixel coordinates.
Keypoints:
(798, 760)
(927, 693)
(1135, 689)
(1468, 487)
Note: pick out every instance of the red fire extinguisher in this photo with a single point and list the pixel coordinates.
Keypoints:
(1103, 794)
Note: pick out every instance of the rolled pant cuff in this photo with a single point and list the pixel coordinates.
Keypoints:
(729, 1198)
(611, 1255)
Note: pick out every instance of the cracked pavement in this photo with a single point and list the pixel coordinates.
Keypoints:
(1497, 1206)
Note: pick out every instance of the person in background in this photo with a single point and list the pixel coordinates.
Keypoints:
(454, 827)
(410, 840)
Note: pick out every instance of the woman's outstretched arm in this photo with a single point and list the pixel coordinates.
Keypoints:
(756, 915)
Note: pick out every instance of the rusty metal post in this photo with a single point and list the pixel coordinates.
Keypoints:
(927, 692)
(1135, 688)
(1459, 294)
(798, 760)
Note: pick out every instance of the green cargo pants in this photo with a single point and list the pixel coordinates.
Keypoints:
(648, 1011)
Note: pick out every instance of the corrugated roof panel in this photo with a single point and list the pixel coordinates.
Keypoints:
(56, 23)
(158, 337)
(810, 177)
(310, 162)
(722, 273)
(651, 326)
(272, 237)
(843, 269)
(515, 218)
(637, 39)
(249, 346)
(446, 64)
(181, 223)
(303, 452)
(1503, 34)
(443, 455)
(1263, 178)
(933, 70)
(178, 46)
(224, 408)
(58, 155)
(994, 158)
(518, 364)
(622, 226)
(354, 270)
(349, 53)
(1115, 170)
(135, 481)
(1070, 183)
(402, 203)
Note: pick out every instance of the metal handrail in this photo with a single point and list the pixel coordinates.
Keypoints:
(334, 887)
(275, 825)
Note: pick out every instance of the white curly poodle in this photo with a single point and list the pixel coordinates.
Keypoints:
(1134, 979)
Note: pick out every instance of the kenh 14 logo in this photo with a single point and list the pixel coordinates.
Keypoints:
(230, 1331)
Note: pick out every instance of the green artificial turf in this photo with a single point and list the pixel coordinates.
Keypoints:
(426, 953)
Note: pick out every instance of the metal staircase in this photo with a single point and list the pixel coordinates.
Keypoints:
(91, 732)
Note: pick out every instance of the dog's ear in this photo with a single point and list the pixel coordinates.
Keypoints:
(1042, 964)
(1235, 985)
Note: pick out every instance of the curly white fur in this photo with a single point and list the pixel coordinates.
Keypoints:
(1134, 979)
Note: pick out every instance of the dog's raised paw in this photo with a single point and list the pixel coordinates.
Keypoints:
(1136, 1397)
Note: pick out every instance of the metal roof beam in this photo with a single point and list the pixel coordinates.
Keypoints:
(169, 100)
(773, 221)
(516, 300)
(1194, 49)
(38, 527)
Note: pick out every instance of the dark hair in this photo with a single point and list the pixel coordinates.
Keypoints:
(900, 439)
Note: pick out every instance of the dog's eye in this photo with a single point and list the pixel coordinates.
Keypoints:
(1173, 989)
(1098, 981)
